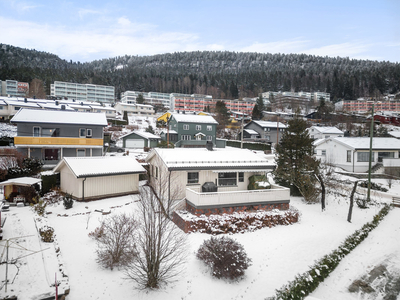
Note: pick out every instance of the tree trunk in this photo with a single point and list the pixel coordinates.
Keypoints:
(352, 202)
(323, 192)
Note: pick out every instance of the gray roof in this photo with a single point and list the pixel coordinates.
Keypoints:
(144, 134)
(25, 115)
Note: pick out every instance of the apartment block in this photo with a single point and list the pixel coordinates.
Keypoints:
(83, 92)
(14, 88)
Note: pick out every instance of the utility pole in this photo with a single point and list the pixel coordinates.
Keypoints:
(371, 135)
(241, 136)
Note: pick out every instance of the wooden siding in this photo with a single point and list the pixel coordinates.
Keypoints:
(22, 140)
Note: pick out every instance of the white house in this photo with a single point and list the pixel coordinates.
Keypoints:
(323, 132)
(214, 181)
(90, 178)
(352, 153)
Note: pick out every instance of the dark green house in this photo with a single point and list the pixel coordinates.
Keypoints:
(140, 139)
(188, 130)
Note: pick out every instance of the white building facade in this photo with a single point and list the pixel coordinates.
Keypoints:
(83, 92)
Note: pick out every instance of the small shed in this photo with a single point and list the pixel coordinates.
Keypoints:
(92, 178)
(12, 187)
(140, 139)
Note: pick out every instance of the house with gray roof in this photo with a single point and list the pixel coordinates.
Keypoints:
(352, 153)
(269, 132)
(322, 132)
(52, 135)
(140, 139)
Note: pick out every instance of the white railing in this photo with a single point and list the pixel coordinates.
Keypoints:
(276, 193)
(391, 162)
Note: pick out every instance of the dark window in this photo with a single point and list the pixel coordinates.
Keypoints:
(51, 154)
(226, 178)
(348, 155)
(241, 176)
(193, 177)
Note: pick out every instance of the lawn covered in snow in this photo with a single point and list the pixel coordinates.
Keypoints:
(277, 254)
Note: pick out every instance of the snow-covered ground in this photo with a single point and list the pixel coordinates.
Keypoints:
(277, 254)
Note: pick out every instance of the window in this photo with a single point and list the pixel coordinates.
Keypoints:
(225, 179)
(36, 131)
(209, 138)
(50, 132)
(241, 176)
(323, 152)
(193, 177)
(363, 157)
(17, 108)
(198, 127)
(156, 172)
(186, 137)
(81, 153)
(51, 154)
(89, 132)
(82, 132)
(209, 128)
(348, 156)
(185, 126)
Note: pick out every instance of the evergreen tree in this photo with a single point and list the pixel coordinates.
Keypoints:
(258, 108)
(150, 129)
(222, 114)
(140, 99)
(296, 165)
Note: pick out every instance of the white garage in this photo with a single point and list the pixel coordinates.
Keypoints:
(92, 178)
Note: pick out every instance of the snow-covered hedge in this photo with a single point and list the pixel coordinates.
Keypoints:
(239, 222)
(306, 283)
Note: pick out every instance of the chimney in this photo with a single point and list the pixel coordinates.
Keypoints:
(25, 100)
(63, 107)
(57, 102)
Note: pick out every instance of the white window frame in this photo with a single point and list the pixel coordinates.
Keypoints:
(323, 152)
(80, 132)
(198, 127)
(209, 128)
(186, 137)
(39, 131)
(185, 126)
(89, 132)
(209, 138)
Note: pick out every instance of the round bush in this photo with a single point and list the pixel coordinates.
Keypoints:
(226, 257)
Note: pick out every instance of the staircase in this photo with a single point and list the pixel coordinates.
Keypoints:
(378, 168)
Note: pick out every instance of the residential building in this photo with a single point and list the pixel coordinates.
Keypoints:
(364, 106)
(323, 132)
(152, 98)
(140, 139)
(352, 153)
(311, 96)
(270, 132)
(13, 88)
(215, 181)
(135, 109)
(92, 178)
(187, 130)
(83, 92)
(52, 135)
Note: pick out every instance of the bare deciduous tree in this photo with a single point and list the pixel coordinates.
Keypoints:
(160, 244)
(115, 246)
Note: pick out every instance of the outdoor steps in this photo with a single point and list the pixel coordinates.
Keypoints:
(378, 168)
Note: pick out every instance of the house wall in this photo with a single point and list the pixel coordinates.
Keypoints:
(65, 130)
(98, 187)
(336, 154)
(179, 179)
(178, 127)
(269, 134)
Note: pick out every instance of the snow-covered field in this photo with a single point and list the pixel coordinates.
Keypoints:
(277, 254)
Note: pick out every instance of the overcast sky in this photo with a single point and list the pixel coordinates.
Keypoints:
(89, 30)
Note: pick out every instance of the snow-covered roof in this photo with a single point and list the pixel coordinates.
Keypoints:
(395, 134)
(144, 134)
(194, 119)
(327, 129)
(54, 106)
(251, 131)
(270, 124)
(78, 106)
(220, 158)
(170, 132)
(25, 181)
(59, 117)
(101, 166)
(21, 103)
(363, 143)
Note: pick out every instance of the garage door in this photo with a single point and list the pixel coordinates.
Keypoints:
(134, 143)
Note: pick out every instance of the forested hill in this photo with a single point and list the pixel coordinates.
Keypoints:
(220, 74)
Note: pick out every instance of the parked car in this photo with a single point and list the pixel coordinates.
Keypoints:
(112, 147)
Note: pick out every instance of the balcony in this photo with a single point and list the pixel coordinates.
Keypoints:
(25, 140)
(227, 197)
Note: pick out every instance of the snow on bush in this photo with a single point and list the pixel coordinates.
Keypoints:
(226, 257)
(239, 222)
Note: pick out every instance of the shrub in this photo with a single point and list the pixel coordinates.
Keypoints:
(374, 186)
(47, 234)
(40, 208)
(226, 257)
(98, 232)
(115, 241)
(68, 201)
